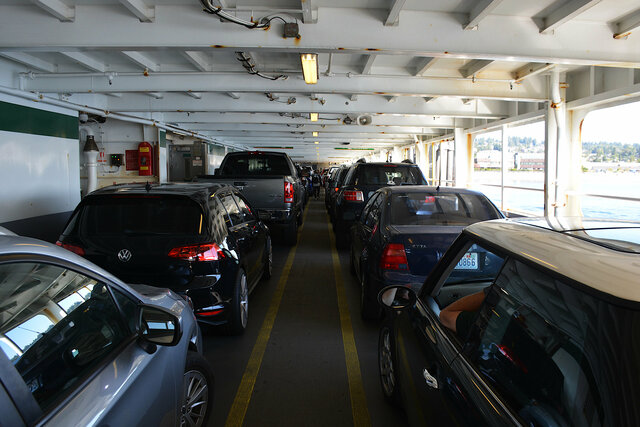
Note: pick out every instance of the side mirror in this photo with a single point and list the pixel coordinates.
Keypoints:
(397, 297)
(157, 326)
(216, 171)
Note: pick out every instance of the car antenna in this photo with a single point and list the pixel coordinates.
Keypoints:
(147, 187)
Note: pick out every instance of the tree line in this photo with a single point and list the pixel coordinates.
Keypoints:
(591, 151)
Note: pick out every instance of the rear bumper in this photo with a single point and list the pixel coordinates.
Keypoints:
(277, 216)
(395, 278)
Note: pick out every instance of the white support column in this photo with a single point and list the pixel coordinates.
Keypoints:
(463, 158)
(421, 158)
(504, 150)
(397, 154)
(574, 163)
(557, 152)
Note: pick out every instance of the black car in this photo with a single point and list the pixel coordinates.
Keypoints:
(362, 180)
(403, 231)
(333, 188)
(201, 240)
(545, 332)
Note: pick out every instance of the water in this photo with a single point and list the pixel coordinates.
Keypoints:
(624, 184)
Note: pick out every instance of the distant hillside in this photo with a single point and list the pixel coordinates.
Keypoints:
(591, 151)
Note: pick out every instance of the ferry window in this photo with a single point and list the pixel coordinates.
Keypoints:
(611, 162)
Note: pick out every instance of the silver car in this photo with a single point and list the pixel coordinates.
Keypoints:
(79, 347)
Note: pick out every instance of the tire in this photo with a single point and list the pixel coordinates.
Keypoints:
(197, 394)
(239, 306)
(369, 308)
(291, 233)
(268, 261)
(387, 366)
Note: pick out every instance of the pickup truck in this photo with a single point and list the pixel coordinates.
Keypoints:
(269, 181)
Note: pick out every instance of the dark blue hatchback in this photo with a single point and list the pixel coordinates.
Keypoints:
(403, 231)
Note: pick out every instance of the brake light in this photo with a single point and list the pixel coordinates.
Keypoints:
(204, 252)
(336, 189)
(353, 196)
(394, 257)
(209, 312)
(73, 248)
(288, 192)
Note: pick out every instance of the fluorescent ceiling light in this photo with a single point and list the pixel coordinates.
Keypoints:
(315, 133)
(309, 67)
(316, 142)
(313, 117)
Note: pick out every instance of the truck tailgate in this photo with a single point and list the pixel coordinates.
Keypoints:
(266, 192)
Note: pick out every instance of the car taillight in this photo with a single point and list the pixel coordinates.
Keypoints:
(73, 248)
(353, 196)
(204, 252)
(394, 257)
(336, 189)
(288, 192)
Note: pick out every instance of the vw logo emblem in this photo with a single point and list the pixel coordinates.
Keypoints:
(124, 255)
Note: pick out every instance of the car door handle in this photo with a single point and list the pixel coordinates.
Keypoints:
(429, 379)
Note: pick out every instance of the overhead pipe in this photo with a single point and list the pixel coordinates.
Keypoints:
(106, 113)
(556, 106)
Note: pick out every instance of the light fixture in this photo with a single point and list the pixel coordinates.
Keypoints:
(309, 67)
(316, 142)
(313, 117)
(315, 133)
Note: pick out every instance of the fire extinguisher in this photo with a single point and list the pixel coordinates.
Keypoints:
(145, 159)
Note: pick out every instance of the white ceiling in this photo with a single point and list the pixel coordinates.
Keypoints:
(443, 64)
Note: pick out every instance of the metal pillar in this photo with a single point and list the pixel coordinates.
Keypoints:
(504, 149)
(557, 154)
(463, 158)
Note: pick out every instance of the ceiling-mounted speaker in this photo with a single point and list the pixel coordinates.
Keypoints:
(365, 120)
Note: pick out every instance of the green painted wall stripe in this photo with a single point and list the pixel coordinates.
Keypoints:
(163, 139)
(17, 118)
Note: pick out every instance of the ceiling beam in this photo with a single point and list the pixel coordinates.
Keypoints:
(366, 68)
(393, 18)
(627, 24)
(307, 12)
(480, 11)
(141, 11)
(30, 61)
(58, 9)
(142, 60)
(473, 67)
(424, 65)
(566, 10)
(335, 131)
(530, 70)
(199, 60)
(411, 37)
(86, 61)
(407, 87)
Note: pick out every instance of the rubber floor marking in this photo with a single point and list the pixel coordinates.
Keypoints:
(245, 389)
(359, 407)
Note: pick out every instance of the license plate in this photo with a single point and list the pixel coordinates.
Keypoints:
(468, 262)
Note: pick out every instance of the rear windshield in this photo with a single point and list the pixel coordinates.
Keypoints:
(388, 175)
(130, 215)
(434, 208)
(256, 164)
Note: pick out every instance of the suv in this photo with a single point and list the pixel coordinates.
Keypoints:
(361, 181)
(79, 347)
(201, 240)
(546, 328)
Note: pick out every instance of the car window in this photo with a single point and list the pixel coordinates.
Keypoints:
(436, 208)
(132, 215)
(367, 207)
(246, 212)
(474, 269)
(219, 219)
(55, 332)
(232, 210)
(556, 355)
(256, 164)
(389, 175)
(374, 213)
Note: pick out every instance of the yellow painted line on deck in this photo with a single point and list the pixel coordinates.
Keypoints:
(243, 396)
(359, 408)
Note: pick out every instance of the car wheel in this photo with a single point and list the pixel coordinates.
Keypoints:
(291, 233)
(387, 365)
(197, 397)
(369, 308)
(239, 306)
(268, 261)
